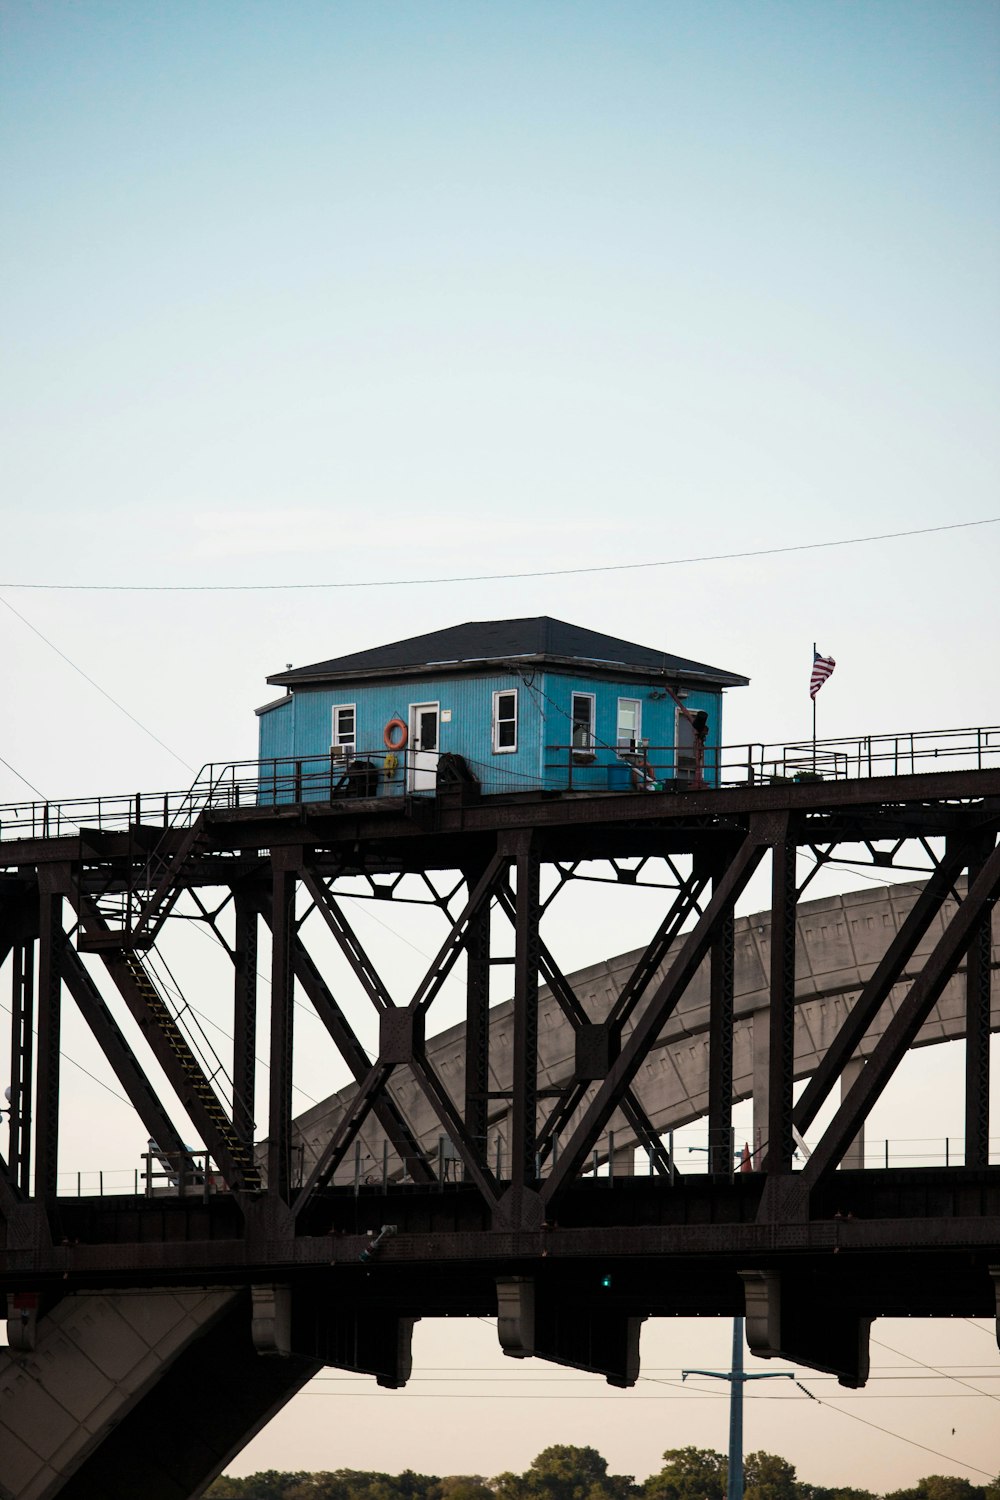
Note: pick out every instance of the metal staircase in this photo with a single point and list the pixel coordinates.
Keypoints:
(199, 1080)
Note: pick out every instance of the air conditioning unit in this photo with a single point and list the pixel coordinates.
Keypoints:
(339, 752)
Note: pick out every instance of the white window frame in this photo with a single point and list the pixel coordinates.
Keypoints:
(341, 748)
(587, 749)
(499, 693)
(632, 741)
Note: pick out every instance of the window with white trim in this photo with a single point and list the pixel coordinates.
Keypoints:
(629, 723)
(504, 720)
(583, 721)
(343, 735)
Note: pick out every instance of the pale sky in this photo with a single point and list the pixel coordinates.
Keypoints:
(345, 293)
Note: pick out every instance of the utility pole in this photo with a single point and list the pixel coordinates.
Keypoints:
(737, 1379)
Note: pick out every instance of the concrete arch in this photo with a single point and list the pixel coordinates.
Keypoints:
(840, 940)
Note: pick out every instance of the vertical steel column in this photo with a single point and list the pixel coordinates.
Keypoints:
(977, 1036)
(50, 939)
(477, 1020)
(720, 1048)
(245, 1016)
(279, 1145)
(780, 1142)
(22, 1040)
(525, 1063)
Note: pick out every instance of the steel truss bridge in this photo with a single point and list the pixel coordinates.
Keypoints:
(153, 1332)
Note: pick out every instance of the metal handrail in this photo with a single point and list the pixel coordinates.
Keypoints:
(232, 785)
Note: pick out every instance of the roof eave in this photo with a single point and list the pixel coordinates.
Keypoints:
(303, 677)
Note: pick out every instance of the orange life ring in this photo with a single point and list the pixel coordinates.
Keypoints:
(395, 735)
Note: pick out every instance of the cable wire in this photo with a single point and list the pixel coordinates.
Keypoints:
(388, 583)
(30, 784)
(853, 1415)
(935, 1371)
(103, 691)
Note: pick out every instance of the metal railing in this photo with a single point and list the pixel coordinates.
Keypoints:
(231, 786)
(689, 1148)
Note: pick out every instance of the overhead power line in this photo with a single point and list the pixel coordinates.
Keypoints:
(103, 691)
(392, 583)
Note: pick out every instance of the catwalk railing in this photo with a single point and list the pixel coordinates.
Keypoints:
(687, 1148)
(597, 768)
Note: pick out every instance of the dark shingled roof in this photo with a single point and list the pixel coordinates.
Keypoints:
(538, 638)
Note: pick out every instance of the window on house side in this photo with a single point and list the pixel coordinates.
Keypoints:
(343, 737)
(505, 721)
(629, 723)
(583, 721)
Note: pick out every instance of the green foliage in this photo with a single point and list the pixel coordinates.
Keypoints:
(940, 1487)
(342, 1484)
(271, 1485)
(768, 1477)
(468, 1487)
(845, 1492)
(688, 1474)
(565, 1473)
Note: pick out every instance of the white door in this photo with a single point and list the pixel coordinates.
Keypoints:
(422, 759)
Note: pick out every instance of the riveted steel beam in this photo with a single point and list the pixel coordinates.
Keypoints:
(245, 1014)
(781, 1034)
(22, 1043)
(50, 940)
(978, 983)
(662, 1002)
(279, 1127)
(127, 1069)
(901, 1031)
(888, 972)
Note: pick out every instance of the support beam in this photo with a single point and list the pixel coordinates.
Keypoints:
(977, 1037)
(477, 1018)
(144, 1100)
(854, 1156)
(386, 1110)
(662, 1003)
(279, 1132)
(537, 1320)
(22, 1046)
(50, 940)
(98, 1360)
(901, 1031)
(525, 1048)
(781, 1049)
(720, 1050)
(348, 941)
(245, 1015)
(173, 1053)
(788, 1318)
(888, 972)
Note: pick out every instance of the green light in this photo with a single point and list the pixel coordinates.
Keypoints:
(605, 1280)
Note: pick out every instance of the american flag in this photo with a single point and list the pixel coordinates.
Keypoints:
(822, 667)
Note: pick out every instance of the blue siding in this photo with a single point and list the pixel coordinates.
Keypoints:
(301, 730)
(658, 727)
(469, 701)
(276, 729)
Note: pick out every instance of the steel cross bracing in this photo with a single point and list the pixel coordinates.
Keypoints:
(488, 1175)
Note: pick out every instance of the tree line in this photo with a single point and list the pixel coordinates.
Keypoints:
(563, 1472)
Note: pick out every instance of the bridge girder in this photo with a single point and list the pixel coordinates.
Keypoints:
(528, 1232)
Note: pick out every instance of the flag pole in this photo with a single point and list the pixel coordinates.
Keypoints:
(814, 714)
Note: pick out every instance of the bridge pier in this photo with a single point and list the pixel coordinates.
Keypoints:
(788, 1320)
(93, 1360)
(536, 1320)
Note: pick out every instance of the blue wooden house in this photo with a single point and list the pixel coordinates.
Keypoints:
(525, 704)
